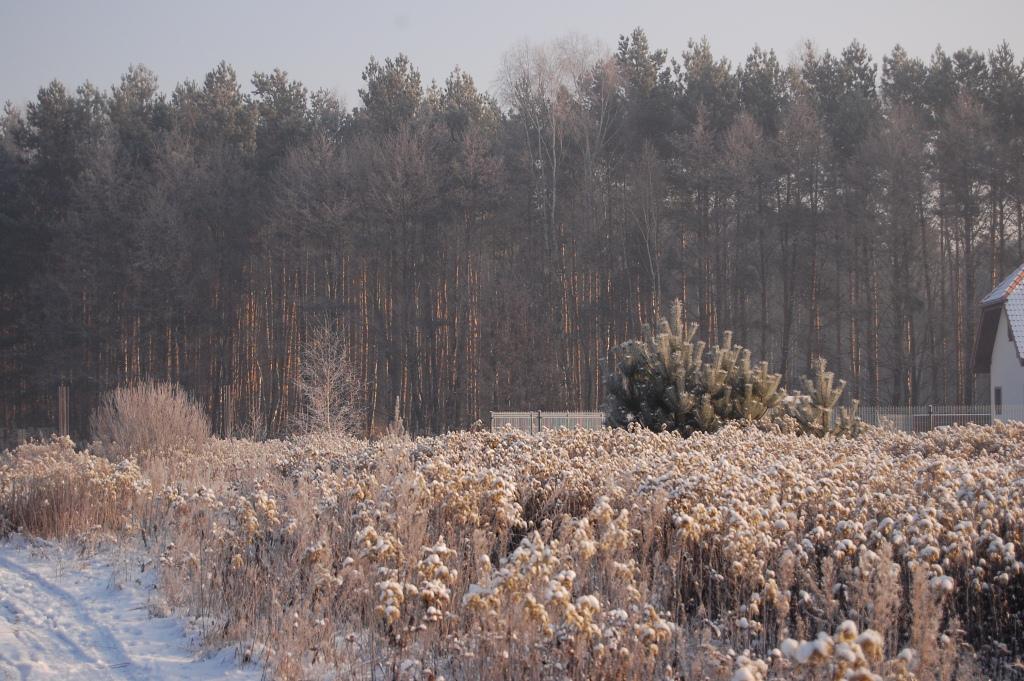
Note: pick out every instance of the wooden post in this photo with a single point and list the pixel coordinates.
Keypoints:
(931, 417)
(228, 411)
(63, 414)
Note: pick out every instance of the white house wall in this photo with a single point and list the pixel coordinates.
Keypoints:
(1007, 372)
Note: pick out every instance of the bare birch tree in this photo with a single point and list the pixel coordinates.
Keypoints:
(328, 385)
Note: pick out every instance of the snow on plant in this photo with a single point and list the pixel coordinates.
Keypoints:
(610, 554)
(50, 489)
(436, 579)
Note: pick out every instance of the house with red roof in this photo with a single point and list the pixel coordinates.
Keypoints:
(999, 349)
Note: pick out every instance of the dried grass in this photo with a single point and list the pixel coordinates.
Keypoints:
(742, 555)
(51, 490)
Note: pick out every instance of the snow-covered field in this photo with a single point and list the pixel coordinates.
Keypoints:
(68, 617)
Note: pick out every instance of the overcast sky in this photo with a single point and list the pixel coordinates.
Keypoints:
(327, 44)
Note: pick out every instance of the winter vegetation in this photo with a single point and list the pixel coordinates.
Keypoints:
(735, 532)
(745, 554)
(150, 418)
(267, 307)
(668, 382)
(484, 250)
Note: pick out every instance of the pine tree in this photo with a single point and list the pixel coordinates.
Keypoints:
(815, 410)
(667, 381)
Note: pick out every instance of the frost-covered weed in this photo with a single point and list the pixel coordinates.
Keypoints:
(590, 554)
(51, 490)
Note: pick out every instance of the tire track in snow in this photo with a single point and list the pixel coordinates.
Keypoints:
(62, 619)
(88, 646)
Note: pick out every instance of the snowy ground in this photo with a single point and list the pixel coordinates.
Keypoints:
(71, 618)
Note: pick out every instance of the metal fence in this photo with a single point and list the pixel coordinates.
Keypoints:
(535, 421)
(908, 419)
(926, 417)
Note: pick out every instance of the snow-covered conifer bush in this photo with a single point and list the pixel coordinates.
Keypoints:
(667, 381)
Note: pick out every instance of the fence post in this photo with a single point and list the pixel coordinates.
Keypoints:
(227, 404)
(931, 417)
(540, 421)
(62, 410)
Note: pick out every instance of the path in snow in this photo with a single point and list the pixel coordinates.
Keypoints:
(62, 617)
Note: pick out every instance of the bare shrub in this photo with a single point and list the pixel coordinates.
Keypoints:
(329, 385)
(255, 425)
(146, 419)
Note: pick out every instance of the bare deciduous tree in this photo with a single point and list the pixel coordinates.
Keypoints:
(328, 384)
